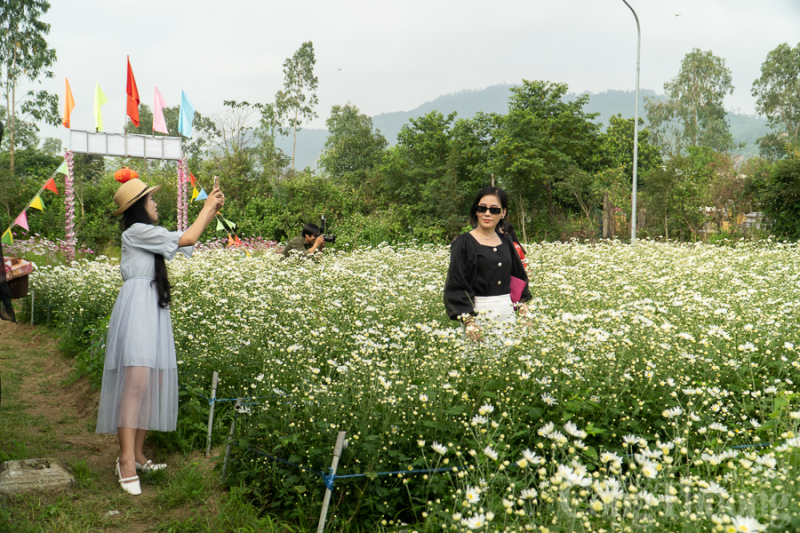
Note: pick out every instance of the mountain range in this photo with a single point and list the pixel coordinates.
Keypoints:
(494, 99)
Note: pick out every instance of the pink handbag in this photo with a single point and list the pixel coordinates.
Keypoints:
(517, 286)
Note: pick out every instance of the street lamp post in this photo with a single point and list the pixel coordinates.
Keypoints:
(635, 126)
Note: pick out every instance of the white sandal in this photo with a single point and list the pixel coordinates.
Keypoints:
(129, 484)
(149, 466)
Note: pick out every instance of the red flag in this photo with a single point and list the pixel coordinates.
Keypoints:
(133, 96)
(51, 185)
(194, 181)
(238, 242)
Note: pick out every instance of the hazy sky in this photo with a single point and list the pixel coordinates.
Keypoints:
(392, 56)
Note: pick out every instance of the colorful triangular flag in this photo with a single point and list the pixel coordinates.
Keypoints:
(195, 194)
(7, 237)
(159, 124)
(99, 101)
(36, 203)
(230, 240)
(51, 184)
(22, 221)
(186, 116)
(229, 223)
(133, 96)
(62, 169)
(238, 242)
(69, 105)
(220, 227)
(201, 196)
(194, 180)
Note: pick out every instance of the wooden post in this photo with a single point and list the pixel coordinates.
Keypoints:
(230, 440)
(606, 216)
(214, 383)
(33, 298)
(337, 452)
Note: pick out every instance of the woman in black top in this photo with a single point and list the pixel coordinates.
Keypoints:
(481, 266)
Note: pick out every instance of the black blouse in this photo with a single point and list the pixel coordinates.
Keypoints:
(478, 270)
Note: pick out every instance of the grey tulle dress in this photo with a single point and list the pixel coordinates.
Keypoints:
(140, 378)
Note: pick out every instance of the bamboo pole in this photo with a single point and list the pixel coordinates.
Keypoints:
(230, 440)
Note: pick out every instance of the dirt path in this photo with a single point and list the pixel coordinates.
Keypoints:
(45, 413)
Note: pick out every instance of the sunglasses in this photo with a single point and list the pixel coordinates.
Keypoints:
(492, 210)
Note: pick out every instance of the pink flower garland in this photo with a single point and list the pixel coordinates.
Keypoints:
(183, 210)
(69, 210)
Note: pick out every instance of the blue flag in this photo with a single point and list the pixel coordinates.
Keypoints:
(186, 116)
(202, 195)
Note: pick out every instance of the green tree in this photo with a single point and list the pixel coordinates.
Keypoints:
(428, 178)
(693, 113)
(782, 198)
(297, 99)
(616, 147)
(778, 94)
(541, 137)
(353, 148)
(678, 191)
(24, 55)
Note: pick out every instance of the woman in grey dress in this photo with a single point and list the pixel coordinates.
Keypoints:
(140, 377)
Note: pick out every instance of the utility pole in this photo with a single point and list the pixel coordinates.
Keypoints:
(635, 126)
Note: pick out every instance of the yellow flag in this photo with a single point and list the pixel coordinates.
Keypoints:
(194, 193)
(99, 100)
(36, 203)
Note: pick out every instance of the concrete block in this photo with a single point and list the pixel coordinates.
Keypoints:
(17, 477)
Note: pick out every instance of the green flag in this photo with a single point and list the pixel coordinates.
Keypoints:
(7, 237)
(99, 100)
(220, 227)
(63, 168)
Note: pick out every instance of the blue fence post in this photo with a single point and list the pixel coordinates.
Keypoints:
(214, 383)
(337, 452)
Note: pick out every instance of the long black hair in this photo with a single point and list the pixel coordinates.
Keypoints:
(487, 191)
(508, 229)
(137, 214)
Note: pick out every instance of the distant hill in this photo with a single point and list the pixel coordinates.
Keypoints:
(494, 99)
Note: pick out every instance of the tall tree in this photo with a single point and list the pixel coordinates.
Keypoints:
(297, 99)
(693, 113)
(541, 137)
(778, 93)
(24, 55)
(353, 147)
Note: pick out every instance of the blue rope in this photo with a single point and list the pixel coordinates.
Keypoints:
(329, 479)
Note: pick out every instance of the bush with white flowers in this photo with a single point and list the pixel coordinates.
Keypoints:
(641, 395)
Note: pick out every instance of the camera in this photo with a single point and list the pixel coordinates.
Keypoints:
(323, 230)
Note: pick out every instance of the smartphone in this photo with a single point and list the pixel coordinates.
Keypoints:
(216, 182)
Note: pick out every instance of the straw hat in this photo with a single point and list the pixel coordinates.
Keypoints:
(130, 192)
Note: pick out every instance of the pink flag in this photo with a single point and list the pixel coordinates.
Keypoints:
(22, 221)
(159, 124)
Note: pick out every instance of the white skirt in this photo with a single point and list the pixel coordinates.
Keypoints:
(494, 309)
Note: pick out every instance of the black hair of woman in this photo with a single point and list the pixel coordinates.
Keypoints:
(487, 191)
(508, 228)
(137, 214)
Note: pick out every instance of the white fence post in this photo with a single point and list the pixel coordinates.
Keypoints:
(214, 383)
(337, 452)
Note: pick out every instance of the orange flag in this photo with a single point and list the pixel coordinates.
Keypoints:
(230, 240)
(69, 105)
(51, 185)
(133, 96)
